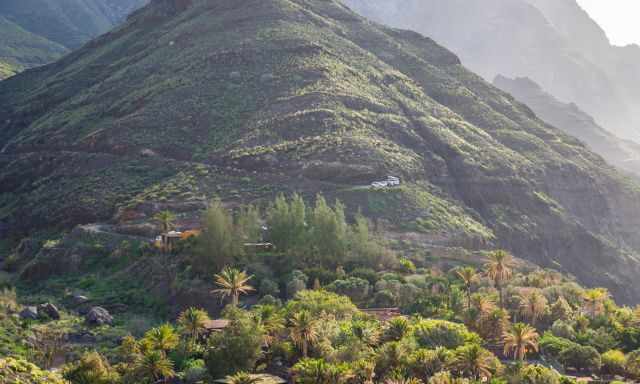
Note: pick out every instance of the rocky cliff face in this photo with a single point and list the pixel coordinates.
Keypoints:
(553, 42)
(247, 99)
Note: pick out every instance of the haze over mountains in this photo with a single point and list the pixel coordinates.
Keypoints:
(36, 32)
(245, 99)
(553, 42)
(624, 154)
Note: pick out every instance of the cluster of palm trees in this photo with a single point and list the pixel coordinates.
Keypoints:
(147, 358)
(519, 339)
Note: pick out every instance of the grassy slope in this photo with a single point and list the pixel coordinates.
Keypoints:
(295, 94)
(69, 23)
(21, 49)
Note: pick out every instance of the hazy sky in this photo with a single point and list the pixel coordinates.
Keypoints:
(619, 18)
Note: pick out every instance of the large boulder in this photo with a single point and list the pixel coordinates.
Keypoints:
(49, 310)
(29, 313)
(98, 316)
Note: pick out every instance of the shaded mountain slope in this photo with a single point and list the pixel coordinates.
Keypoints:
(37, 32)
(246, 99)
(21, 49)
(624, 154)
(68, 22)
(553, 42)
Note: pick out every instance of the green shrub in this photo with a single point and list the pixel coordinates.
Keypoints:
(537, 374)
(355, 288)
(563, 329)
(441, 333)
(317, 302)
(237, 348)
(580, 357)
(406, 266)
(365, 273)
(13, 370)
(632, 366)
(552, 346)
(91, 369)
(613, 362)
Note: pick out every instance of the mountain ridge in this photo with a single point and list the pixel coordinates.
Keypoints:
(555, 43)
(190, 99)
(623, 154)
(37, 32)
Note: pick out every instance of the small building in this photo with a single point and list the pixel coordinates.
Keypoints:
(167, 241)
(218, 325)
(391, 181)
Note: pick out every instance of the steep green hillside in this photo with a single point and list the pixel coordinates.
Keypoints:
(37, 32)
(67, 22)
(21, 49)
(245, 99)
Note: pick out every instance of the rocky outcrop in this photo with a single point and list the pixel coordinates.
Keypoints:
(49, 310)
(29, 313)
(98, 316)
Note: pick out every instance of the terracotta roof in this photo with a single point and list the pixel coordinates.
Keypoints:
(216, 325)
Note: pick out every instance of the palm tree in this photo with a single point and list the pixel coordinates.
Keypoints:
(520, 340)
(594, 301)
(499, 270)
(473, 361)
(365, 332)
(304, 331)
(318, 371)
(162, 338)
(243, 378)
(272, 320)
(166, 220)
(364, 371)
(232, 283)
(468, 275)
(396, 328)
(193, 322)
(533, 306)
(154, 366)
(482, 307)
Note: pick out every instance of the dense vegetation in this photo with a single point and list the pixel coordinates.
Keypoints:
(292, 311)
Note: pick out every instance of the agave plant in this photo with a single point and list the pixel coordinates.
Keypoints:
(242, 378)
